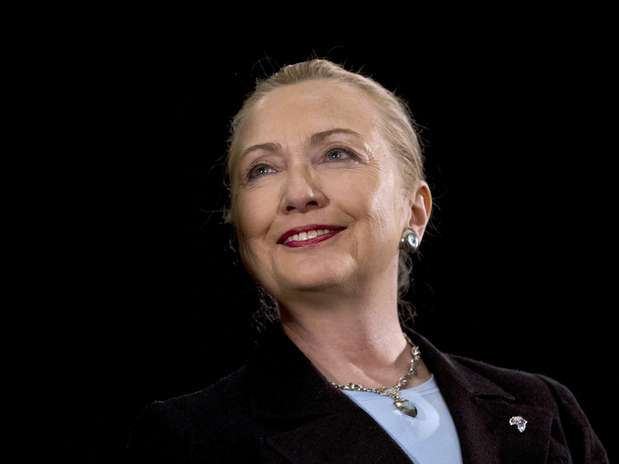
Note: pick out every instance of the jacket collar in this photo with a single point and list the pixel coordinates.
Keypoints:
(309, 418)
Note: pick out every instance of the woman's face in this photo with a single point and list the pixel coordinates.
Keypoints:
(300, 175)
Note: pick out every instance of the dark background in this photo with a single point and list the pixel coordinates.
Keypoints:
(146, 301)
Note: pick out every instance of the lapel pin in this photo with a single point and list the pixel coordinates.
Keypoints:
(518, 421)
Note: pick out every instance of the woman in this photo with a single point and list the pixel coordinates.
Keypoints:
(328, 201)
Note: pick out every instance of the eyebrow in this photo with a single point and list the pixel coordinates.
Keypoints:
(315, 139)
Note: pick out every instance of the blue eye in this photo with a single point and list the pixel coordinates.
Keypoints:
(250, 175)
(342, 150)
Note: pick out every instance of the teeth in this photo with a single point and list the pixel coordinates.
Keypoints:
(307, 235)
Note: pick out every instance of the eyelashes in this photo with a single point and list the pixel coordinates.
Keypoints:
(252, 170)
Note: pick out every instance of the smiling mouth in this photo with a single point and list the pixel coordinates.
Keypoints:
(311, 241)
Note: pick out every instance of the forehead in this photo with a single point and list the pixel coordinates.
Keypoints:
(293, 112)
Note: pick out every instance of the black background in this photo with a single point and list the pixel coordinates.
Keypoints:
(147, 304)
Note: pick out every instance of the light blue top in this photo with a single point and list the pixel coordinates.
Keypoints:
(429, 438)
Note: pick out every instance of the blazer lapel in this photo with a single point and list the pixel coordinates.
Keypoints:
(343, 436)
(481, 411)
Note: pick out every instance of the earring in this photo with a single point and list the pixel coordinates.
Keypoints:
(409, 240)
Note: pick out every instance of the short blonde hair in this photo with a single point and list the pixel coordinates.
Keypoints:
(397, 126)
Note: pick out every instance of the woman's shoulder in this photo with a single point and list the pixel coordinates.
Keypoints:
(230, 388)
(524, 385)
(164, 429)
(222, 399)
(480, 376)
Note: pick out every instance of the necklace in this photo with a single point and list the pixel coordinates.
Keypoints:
(393, 392)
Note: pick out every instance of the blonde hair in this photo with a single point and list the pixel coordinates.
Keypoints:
(397, 126)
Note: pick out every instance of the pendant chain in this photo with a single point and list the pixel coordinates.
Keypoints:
(392, 392)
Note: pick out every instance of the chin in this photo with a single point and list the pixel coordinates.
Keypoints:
(317, 286)
(314, 279)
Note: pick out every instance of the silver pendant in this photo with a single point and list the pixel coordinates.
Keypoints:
(406, 407)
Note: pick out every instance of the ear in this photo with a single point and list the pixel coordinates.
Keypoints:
(420, 203)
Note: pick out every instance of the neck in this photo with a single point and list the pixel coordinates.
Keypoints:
(354, 338)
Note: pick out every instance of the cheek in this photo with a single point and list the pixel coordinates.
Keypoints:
(255, 213)
(381, 204)
(255, 218)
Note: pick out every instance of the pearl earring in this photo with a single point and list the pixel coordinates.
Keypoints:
(409, 240)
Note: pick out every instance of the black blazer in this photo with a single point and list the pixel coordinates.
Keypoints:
(279, 408)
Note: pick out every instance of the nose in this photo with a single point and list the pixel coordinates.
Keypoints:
(302, 191)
